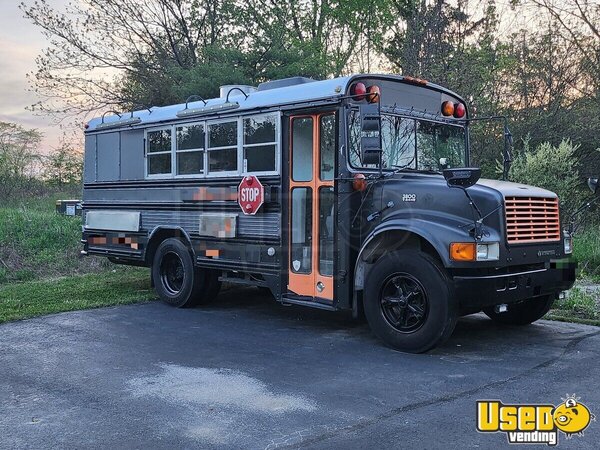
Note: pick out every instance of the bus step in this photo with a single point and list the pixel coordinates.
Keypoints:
(312, 304)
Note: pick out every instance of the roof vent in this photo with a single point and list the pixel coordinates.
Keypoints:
(284, 82)
(239, 88)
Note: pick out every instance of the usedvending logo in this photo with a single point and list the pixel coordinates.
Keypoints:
(533, 423)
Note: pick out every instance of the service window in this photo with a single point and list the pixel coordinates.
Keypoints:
(158, 152)
(260, 143)
(190, 149)
(222, 147)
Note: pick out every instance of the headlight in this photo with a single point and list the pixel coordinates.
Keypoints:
(568, 243)
(488, 252)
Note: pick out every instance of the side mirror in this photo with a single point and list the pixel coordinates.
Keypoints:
(463, 177)
(593, 184)
(370, 130)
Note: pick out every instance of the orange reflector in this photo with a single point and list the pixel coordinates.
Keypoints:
(359, 183)
(448, 108)
(463, 251)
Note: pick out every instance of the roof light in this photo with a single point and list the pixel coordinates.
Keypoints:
(459, 110)
(373, 94)
(119, 123)
(358, 91)
(208, 109)
(414, 80)
(448, 108)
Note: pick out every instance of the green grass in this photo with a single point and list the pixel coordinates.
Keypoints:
(586, 249)
(35, 298)
(36, 243)
(579, 305)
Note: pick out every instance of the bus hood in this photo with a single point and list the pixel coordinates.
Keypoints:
(509, 189)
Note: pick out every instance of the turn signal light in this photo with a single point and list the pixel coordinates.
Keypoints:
(373, 94)
(463, 251)
(359, 183)
(448, 108)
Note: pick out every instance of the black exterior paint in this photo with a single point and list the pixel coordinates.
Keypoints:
(438, 216)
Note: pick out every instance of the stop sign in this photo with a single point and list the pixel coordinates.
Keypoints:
(251, 194)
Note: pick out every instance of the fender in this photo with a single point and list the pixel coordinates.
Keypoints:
(177, 230)
(438, 231)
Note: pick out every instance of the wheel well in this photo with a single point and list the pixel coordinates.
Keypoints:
(386, 242)
(160, 235)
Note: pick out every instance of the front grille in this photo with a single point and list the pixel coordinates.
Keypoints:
(532, 219)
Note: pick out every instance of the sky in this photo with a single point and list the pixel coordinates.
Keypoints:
(20, 43)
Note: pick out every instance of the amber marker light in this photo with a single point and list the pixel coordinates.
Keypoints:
(373, 94)
(448, 109)
(359, 183)
(463, 251)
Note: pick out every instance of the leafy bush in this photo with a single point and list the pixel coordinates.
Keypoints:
(554, 168)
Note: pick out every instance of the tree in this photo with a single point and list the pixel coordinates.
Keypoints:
(18, 157)
(63, 166)
(123, 54)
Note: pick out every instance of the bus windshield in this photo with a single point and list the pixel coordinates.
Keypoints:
(412, 143)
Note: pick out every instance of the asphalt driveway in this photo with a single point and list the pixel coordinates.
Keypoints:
(248, 373)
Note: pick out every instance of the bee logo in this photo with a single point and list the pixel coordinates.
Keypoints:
(572, 417)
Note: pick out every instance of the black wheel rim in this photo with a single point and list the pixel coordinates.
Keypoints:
(172, 273)
(403, 302)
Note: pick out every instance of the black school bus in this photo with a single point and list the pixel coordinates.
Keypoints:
(367, 202)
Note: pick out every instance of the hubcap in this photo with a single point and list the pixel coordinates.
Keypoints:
(172, 273)
(403, 302)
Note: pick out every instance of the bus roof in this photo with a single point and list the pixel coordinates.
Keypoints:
(264, 97)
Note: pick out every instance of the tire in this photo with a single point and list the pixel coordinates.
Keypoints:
(522, 313)
(176, 281)
(386, 299)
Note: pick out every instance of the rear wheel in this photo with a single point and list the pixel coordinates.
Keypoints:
(408, 303)
(176, 280)
(522, 313)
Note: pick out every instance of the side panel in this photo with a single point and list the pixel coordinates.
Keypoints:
(89, 161)
(108, 160)
(132, 155)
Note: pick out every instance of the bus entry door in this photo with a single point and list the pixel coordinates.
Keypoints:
(312, 168)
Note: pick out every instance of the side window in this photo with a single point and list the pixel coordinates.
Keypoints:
(190, 149)
(327, 147)
(302, 149)
(260, 144)
(222, 147)
(397, 137)
(158, 151)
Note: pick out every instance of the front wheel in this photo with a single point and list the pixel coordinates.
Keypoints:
(522, 313)
(408, 302)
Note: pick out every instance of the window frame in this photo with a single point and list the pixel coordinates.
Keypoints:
(147, 153)
(239, 148)
(358, 169)
(222, 173)
(190, 150)
(277, 144)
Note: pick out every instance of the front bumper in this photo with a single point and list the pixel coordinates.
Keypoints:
(479, 291)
